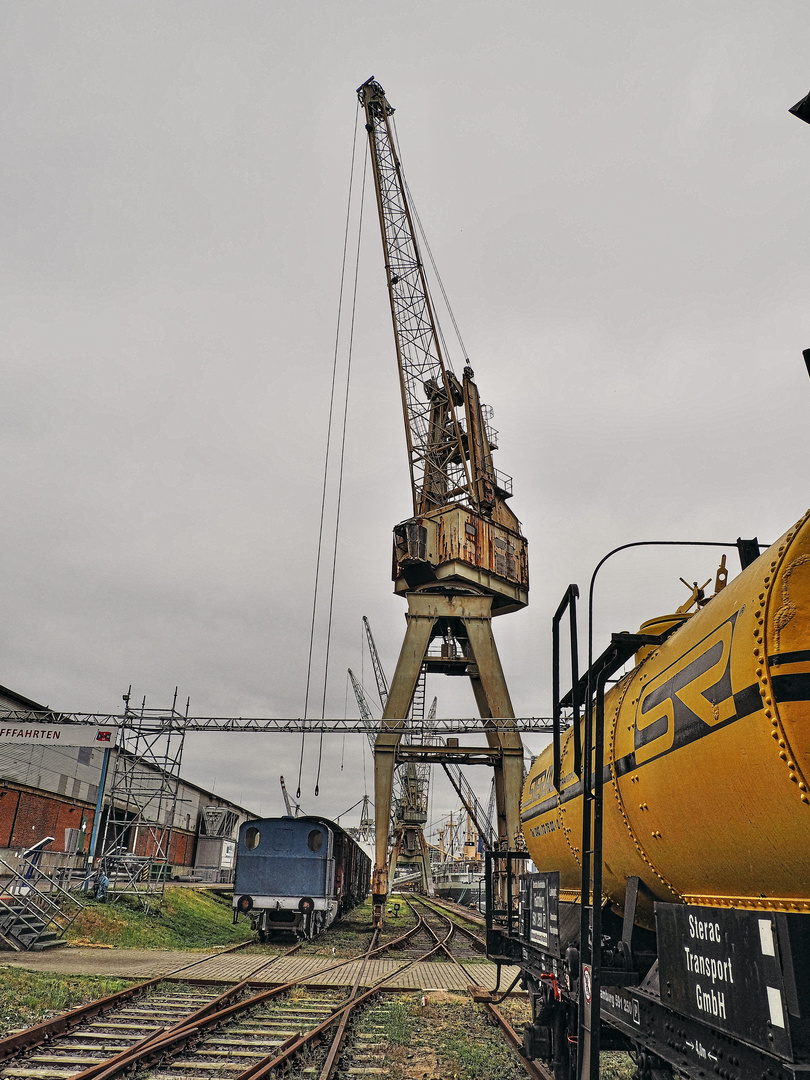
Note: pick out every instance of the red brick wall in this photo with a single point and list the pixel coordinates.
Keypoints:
(145, 844)
(70, 817)
(8, 808)
(36, 818)
(26, 817)
(180, 848)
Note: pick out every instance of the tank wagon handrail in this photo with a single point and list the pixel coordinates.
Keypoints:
(744, 547)
(569, 601)
(621, 648)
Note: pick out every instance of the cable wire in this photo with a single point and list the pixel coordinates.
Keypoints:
(340, 470)
(327, 451)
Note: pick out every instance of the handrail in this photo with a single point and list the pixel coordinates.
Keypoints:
(25, 888)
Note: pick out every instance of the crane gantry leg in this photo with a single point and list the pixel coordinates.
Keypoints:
(428, 615)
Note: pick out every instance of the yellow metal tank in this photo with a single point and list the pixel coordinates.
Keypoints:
(707, 743)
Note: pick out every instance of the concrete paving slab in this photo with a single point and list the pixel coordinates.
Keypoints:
(218, 966)
(115, 963)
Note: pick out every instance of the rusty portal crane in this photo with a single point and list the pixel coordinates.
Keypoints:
(460, 558)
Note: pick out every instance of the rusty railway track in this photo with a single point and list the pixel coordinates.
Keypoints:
(532, 1068)
(475, 945)
(471, 915)
(177, 1031)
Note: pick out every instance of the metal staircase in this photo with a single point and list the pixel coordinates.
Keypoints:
(35, 911)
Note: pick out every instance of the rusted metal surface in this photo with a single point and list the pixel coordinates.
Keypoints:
(482, 543)
(474, 615)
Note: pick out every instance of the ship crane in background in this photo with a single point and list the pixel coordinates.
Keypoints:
(379, 674)
(412, 788)
(291, 811)
(410, 802)
(475, 811)
(460, 558)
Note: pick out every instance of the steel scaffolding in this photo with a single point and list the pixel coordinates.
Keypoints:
(143, 796)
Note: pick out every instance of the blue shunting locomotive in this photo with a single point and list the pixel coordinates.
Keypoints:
(297, 875)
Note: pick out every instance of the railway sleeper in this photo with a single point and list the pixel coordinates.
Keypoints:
(257, 1036)
(63, 1059)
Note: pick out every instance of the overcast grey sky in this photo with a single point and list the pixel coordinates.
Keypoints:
(616, 197)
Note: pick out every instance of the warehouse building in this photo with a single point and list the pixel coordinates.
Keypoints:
(49, 788)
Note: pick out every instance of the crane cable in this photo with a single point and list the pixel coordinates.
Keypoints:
(327, 454)
(343, 436)
(340, 470)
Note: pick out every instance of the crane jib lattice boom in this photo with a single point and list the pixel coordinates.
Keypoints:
(462, 530)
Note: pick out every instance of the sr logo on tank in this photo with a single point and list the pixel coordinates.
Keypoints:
(688, 698)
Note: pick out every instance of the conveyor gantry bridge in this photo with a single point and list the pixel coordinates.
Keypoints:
(279, 725)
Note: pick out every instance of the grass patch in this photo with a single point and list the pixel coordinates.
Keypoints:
(29, 997)
(451, 1037)
(397, 1021)
(188, 919)
(448, 1037)
(338, 942)
(471, 1046)
(616, 1065)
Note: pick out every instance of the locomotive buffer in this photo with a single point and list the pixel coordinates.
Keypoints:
(460, 559)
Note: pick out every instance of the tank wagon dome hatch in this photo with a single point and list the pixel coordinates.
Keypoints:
(661, 624)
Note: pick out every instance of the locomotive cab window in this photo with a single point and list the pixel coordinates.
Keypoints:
(252, 837)
(315, 840)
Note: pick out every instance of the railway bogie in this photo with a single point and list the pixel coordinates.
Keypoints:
(297, 875)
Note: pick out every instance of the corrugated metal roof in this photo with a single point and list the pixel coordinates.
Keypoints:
(11, 700)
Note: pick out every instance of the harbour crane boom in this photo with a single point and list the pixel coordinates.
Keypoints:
(376, 663)
(469, 800)
(365, 708)
(287, 803)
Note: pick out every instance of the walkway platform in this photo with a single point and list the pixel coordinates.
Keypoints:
(264, 971)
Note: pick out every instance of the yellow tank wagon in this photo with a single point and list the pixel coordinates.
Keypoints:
(707, 755)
